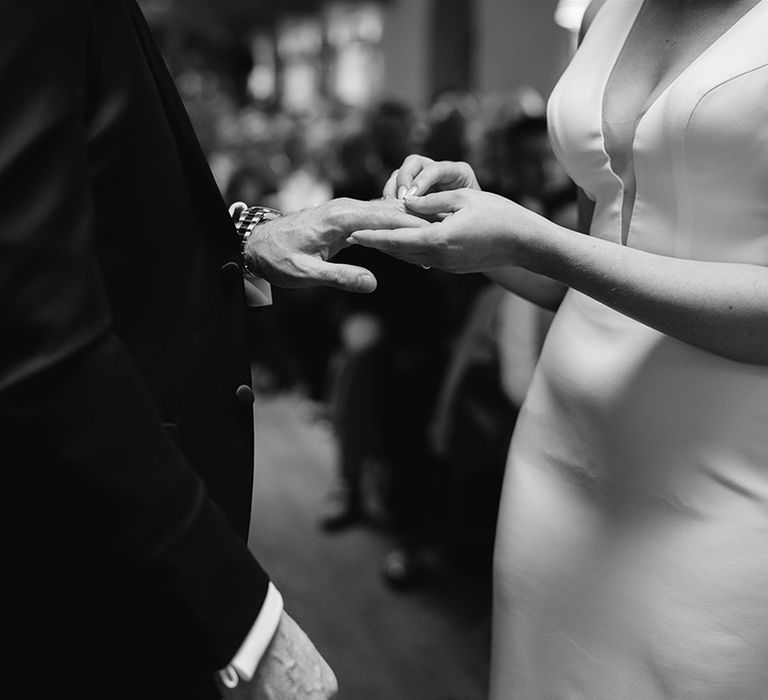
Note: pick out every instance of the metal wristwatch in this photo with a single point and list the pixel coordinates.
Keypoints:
(247, 221)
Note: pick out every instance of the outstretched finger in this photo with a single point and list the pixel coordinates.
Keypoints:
(407, 244)
(382, 214)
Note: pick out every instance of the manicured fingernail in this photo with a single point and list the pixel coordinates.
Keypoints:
(413, 192)
(401, 191)
(365, 281)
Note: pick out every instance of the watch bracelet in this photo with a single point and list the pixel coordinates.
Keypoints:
(249, 219)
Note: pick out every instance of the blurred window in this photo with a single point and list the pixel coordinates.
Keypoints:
(569, 13)
(354, 32)
(299, 46)
(262, 81)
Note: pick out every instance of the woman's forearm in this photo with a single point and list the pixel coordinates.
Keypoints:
(537, 289)
(719, 307)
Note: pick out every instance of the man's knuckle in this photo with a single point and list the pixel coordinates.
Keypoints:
(340, 211)
(432, 237)
(343, 276)
(341, 205)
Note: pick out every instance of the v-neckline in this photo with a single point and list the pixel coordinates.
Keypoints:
(661, 94)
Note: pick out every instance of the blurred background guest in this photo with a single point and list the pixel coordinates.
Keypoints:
(389, 360)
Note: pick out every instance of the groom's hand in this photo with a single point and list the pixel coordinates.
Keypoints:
(291, 669)
(293, 251)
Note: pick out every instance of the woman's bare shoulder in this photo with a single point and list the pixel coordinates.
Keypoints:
(589, 14)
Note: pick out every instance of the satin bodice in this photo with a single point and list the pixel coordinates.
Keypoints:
(699, 150)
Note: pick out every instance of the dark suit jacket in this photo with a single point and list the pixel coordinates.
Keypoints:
(124, 401)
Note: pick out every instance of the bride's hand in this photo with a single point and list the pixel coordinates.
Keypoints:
(480, 231)
(419, 175)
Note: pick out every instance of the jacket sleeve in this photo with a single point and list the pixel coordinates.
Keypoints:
(64, 375)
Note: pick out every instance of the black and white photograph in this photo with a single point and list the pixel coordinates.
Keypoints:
(385, 349)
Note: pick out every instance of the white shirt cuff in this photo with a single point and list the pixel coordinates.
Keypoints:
(243, 665)
(258, 292)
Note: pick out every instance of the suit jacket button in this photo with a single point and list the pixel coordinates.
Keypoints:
(244, 394)
(230, 272)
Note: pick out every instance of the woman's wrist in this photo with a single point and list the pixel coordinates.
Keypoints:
(549, 250)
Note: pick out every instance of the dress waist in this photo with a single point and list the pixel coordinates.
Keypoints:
(615, 402)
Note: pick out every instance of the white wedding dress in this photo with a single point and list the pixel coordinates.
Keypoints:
(632, 544)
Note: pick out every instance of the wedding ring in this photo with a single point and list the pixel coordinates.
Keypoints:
(425, 267)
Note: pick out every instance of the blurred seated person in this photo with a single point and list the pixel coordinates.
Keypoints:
(535, 174)
(354, 369)
(384, 381)
(387, 369)
(471, 426)
(414, 359)
(497, 111)
(391, 126)
(359, 166)
(450, 119)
